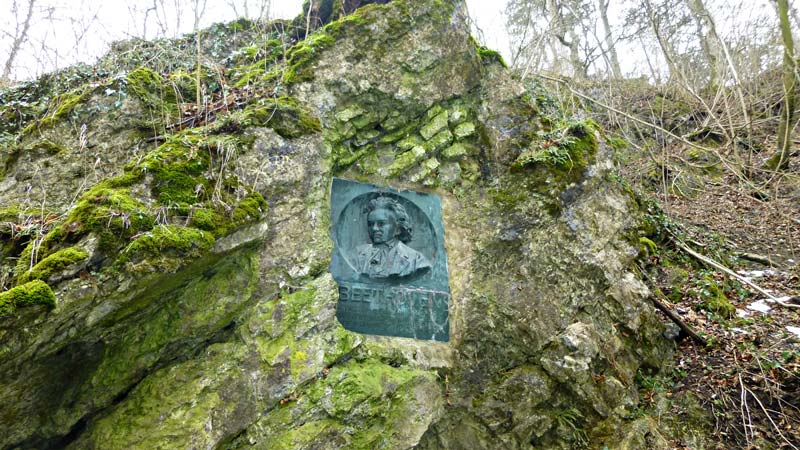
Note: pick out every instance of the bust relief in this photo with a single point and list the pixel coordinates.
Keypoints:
(387, 254)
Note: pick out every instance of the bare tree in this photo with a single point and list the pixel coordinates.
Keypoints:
(19, 37)
(198, 14)
(602, 8)
(780, 159)
(705, 30)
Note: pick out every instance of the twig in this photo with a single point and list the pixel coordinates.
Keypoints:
(686, 329)
(741, 177)
(672, 316)
(747, 421)
(716, 265)
(766, 413)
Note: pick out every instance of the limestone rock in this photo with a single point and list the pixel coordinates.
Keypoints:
(200, 313)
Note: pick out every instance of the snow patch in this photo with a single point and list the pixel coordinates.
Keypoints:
(760, 306)
(751, 274)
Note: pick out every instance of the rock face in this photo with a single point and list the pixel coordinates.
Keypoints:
(188, 258)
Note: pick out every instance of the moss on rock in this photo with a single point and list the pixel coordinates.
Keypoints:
(299, 58)
(570, 149)
(35, 292)
(283, 115)
(53, 263)
(714, 298)
(58, 108)
(170, 240)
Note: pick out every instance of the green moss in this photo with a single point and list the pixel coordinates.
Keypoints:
(434, 126)
(49, 147)
(300, 57)
(715, 299)
(434, 111)
(53, 264)
(458, 114)
(219, 223)
(398, 134)
(35, 292)
(110, 212)
(507, 199)
(464, 130)
(410, 142)
(355, 20)
(568, 150)
(206, 219)
(172, 239)
(164, 243)
(454, 152)
(251, 207)
(405, 161)
(488, 56)
(25, 258)
(150, 88)
(647, 247)
(278, 342)
(188, 310)
(394, 121)
(58, 108)
(348, 113)
(181, 86)
(178, 169)
(354, 383)
(363, 399)
(344, 155)
(283, 115)
(106, 209)
(146, 85)
(11, 214)
(439, 141)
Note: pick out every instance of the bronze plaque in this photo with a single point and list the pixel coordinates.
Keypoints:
(389, 261)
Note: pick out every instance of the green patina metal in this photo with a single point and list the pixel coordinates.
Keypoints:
(389, 261)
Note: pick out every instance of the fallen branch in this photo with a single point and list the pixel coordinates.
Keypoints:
(755, 258)
(672, 316)
(718, 266)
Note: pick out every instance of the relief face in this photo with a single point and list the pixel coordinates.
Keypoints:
(387, 254)
(389, 261)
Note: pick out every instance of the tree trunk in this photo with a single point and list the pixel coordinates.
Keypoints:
(702, 20)
(559, 31)
(616, 72)
(555, 29)
(780, 159)
(20, 36)
(663, 42)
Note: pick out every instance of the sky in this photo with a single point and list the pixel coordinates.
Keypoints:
(58, 38)
(108, 21)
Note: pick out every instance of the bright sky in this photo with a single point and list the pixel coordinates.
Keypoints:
(58, 40)
(63, 43)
